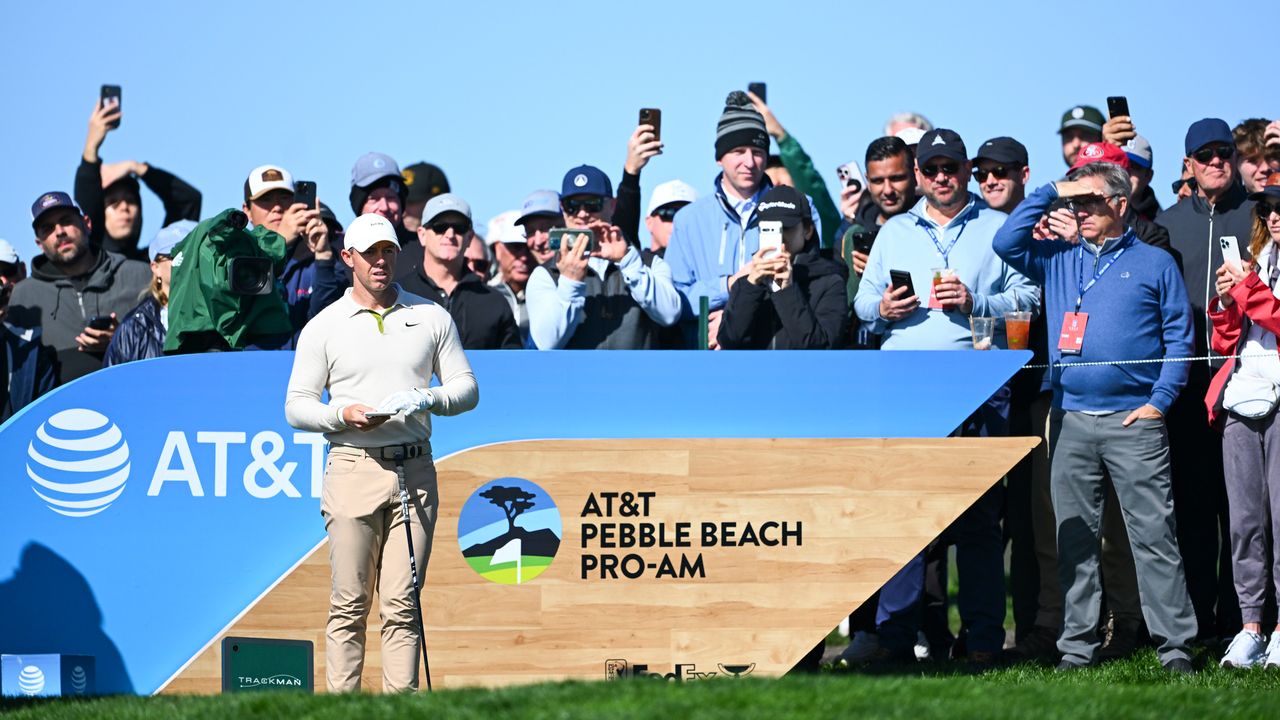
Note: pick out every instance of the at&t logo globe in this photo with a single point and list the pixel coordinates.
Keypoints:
(31, 681)
(78, 462)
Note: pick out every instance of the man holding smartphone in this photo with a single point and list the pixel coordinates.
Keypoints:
(377, 341)
(631, 295)
(269, 202)
(948, 234)
(76, 291)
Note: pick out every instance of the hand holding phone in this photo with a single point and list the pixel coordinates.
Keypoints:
(375, 415)
(1231, 251)
(652, 116)
(304, 191)
(1117, 106)
(771, 237)
(851, 175)
(111, 99)
(759, 90)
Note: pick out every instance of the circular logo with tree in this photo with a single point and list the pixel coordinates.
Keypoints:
(509, 531)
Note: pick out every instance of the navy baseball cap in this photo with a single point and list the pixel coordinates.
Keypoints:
(586, 180)
(50, 201)
(1208, 130)
(1002, 150)
(942, 143)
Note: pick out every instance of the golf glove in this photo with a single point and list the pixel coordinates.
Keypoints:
(407, 401)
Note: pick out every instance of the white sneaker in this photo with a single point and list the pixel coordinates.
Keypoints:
(1273, 651)
(1247, 649)
(863, 646)
(923, 652)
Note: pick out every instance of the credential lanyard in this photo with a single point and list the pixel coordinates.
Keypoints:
(1081, 288)
(945, 253)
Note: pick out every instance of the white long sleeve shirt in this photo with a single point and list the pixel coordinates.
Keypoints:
(361, 356)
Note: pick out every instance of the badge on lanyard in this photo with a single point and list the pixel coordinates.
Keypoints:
(1071, 341)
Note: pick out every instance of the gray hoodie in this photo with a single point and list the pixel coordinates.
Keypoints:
(61, 306)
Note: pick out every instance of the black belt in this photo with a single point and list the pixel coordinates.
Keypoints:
(399, 452)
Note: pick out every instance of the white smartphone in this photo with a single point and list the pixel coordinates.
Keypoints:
(771, 236)
(1231, 250)
(850, 174)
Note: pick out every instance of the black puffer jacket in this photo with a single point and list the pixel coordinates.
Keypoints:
(812, 313)
(140, 335)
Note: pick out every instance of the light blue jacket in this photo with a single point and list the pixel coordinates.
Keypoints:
(556, 310)
(709, 244)
(904, 244)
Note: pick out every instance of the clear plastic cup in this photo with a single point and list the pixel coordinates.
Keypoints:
(984, 332)
(1017, 328)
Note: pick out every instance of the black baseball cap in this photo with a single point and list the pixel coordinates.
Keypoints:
(425, 181)
(942, 143)
(1002, 150)
(785, 204)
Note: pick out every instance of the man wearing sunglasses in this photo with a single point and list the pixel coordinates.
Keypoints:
(666, 201)
(1001, 169)
(1109, 297)
(1195, 224)
(483, 317)
(602, 295)
(947, 233)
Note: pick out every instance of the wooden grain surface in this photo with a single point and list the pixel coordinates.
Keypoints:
(866, 506)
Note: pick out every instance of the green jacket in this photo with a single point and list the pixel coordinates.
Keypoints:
(200, 297)
(809, 181)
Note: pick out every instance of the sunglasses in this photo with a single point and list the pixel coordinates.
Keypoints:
(593, 205)
(1264, 209)
(1091, 203)
(8, 270)
(1001, 172)
(459, 227)
(479, 266)
(948, 169)
(1188, 182)
(1205, 154)
(667, 213)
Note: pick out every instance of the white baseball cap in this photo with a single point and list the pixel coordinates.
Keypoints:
(368, 230)
(910, 135)
(669, 192)
(503, 228)
(7, 253)
(265, 178)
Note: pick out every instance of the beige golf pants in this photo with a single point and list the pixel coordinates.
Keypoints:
(367, 548)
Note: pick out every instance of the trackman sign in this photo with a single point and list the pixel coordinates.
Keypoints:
(79, 463)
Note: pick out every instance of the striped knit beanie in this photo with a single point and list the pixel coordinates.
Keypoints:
(740, 124)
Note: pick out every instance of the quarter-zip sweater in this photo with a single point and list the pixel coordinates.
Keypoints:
(1138, 310)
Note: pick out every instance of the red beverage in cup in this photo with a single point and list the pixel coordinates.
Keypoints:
(1017, 328)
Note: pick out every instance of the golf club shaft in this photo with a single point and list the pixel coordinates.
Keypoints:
(413, 569)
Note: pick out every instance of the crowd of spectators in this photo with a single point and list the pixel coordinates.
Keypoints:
(1154, 332)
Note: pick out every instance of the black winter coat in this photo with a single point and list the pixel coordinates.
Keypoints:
(140, 335)
(812, 313)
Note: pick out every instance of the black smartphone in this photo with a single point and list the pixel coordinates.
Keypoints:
(760, 91)
(652, 116)
(102, 322)
(863, 241)
(304, 191)
(1117, 106)
(111, 97)
(902, 278)
(557, 236)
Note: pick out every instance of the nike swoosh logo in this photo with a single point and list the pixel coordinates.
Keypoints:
(409, 324)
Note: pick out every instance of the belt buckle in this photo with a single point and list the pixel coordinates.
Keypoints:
(395, 452)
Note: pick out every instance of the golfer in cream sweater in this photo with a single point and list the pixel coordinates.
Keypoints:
(376, 343)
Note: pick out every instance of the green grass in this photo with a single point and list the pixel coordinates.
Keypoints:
(1134, 688)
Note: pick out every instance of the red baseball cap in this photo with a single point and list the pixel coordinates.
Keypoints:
(1101, 152)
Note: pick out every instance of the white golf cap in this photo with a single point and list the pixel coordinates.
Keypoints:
(368, 230)
(910, 135)
(670, 192)
(265, 178)
(503, 228)
(7, 253)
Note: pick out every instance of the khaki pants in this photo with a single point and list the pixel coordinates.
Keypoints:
(367, 546)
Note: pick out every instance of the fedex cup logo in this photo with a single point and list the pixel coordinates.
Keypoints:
(78, 462)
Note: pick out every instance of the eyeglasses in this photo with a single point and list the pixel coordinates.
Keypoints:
(1091, 203)
(1001, 172)
(667, 213)
(593, 205)
(949, 169)
(479, 266)
(1264, 209)
(1188, 182)
(1205, 154)
(877, 179)
(459, 227)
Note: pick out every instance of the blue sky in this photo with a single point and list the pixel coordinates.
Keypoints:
(508, 96)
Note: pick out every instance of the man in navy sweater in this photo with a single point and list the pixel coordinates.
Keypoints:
(1109, 298)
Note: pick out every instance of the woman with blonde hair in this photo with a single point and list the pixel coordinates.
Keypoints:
(142, 332)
